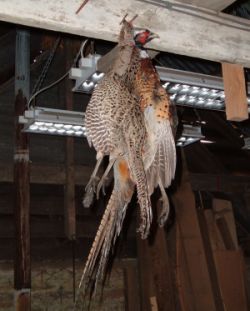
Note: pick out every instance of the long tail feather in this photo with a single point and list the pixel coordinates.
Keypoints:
(139, 175)
(108, 231)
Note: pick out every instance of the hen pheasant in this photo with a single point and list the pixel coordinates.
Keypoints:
(115, 126)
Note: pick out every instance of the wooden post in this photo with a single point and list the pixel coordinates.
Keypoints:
(70, 210)
(225, 222)
(131, 288)
(235, 92)
(147, 289)
(156, 272)
(228, 257)
(210, 260)
(188, 223)
(183, 282)
(22, 269)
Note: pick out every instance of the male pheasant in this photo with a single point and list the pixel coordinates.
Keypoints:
(159, 151)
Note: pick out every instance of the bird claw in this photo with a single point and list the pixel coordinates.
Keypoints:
(103, 190)
(164, 212)
(88, 198)
(162, 219)
(92, 184)
(90, 189)
(100, 186)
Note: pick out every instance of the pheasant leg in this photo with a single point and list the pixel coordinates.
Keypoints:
(92, 184)
(165, 206)
(102, 181)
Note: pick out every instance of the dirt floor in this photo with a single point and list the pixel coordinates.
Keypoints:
(52, 288)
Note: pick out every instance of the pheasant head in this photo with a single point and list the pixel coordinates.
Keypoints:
(143, 36)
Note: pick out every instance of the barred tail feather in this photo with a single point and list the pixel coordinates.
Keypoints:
(138, 172)
(96, 248)
(107, 233)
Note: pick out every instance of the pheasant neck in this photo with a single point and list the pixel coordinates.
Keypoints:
(143, 54)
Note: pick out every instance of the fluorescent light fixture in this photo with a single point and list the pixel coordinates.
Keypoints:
(194, 89)
(86, 76)
(53, 122)
(190, 135)
(194, 96)
(247, 143)
(185, 88)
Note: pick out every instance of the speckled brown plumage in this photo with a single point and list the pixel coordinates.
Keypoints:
(115, 126)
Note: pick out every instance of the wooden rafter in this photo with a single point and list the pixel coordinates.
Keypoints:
(198, 33)
(235, 92)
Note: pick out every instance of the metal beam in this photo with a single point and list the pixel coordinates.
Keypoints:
(185, 30)
(69, 191)
(22, 267)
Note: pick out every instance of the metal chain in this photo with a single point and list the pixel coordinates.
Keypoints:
(44, 72)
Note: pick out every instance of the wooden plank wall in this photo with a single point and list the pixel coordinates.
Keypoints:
(210, 265)
(228, 257)
(193, 246)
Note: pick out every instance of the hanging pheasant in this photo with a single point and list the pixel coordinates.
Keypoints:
(115, 126)
(159, 151)
(147, 165)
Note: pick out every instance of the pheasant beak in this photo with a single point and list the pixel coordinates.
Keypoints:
(153, 36)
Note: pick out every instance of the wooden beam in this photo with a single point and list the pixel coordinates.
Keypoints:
(22, 266)
(155, 271)
(55, 175)
(210, 259)
(222, 127)
(43, 227)
(231, 273)
(69, 203)
(187, 220)
(48, 174)
(183, 282)
(187, 28)
(215, 238)
(48, 202)
(131, 288)
(225, 222)
(146, 284)
(235, 92)
(209, 164)
(216, 5)
(228, 258)
(220, 183)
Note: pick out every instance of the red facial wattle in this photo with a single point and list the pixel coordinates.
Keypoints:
(143, 37)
